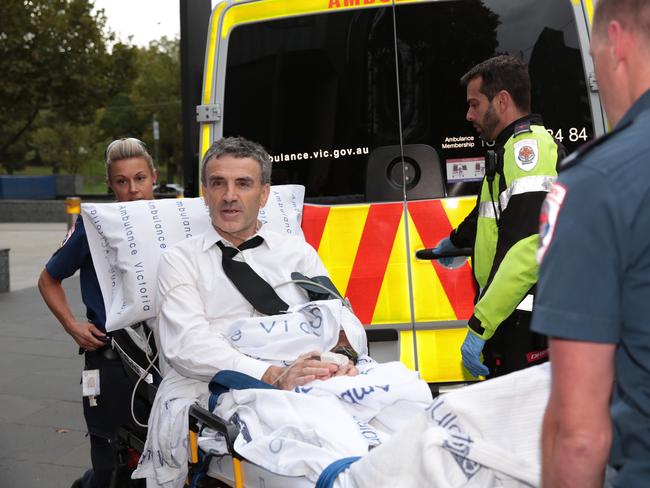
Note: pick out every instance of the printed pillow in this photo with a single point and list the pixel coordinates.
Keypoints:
(127, 238)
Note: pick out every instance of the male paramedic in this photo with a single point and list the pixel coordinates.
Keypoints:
(502, 228)
(200, 295)
(594, 287)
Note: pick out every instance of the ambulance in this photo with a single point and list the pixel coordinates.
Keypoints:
(360, 102)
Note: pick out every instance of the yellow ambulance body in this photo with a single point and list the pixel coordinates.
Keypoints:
(360, 101)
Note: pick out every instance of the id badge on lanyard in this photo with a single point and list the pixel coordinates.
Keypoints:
(90, 385)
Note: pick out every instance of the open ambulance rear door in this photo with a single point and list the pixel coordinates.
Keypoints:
(360, 101)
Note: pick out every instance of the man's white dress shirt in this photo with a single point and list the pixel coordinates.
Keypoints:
(198, 302)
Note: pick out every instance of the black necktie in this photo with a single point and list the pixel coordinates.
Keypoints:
(258, 292)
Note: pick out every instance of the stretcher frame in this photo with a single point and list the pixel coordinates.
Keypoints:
(130, 438)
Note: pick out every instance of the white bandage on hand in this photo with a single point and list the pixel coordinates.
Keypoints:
(335, 358)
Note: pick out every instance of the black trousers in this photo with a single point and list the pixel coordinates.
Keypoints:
(514, 346)
(112, 410)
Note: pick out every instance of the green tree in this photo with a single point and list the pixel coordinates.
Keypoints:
(157, 91)
(64, 146)
(54, 59)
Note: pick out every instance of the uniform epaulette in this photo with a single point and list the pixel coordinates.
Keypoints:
(576, 156)
(522, 128)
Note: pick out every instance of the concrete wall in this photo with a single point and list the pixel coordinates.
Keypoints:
(40, 210)
(32, 211)
(48, 210)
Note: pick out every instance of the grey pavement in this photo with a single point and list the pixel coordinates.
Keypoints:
(30, 245)
(42, 432)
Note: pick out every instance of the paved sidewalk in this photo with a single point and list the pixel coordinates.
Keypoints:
(30, 246)
(42, 431)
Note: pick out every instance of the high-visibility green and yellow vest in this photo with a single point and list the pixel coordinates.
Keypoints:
(503, 226)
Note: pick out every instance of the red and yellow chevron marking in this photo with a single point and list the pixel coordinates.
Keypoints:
(432, 221)
(364, 248)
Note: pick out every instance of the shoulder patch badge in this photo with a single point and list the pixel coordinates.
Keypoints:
(526, 154)
(548, 218)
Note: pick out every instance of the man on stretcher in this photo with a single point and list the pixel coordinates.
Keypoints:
(232, 272)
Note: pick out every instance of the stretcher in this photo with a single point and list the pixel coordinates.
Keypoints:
(501, 416)
(486, 434)
(140, 358)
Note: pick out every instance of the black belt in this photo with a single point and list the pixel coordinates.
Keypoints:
(106, 351)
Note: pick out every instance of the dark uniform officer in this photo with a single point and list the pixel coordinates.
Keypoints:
(130, 174)
(113, 403)
(594, 282)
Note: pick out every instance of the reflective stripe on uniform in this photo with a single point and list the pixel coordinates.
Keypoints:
(526, 304)
(522, 185)
(487, 210)
(525, 184)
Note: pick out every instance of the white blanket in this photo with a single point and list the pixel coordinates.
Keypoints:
(312, 326)
(301, 432)
(484, 435)
(276, 339)
(165, 457)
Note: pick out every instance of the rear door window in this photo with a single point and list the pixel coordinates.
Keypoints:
(439, 41)
(319, 91)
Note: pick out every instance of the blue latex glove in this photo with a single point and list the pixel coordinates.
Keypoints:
(445, 245)
(471, 353)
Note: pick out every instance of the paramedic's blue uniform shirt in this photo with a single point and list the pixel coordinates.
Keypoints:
(75, 255)
(594, 282)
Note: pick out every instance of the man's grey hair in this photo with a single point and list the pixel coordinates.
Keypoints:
(239, 147)
(126, 148)
(632, 14)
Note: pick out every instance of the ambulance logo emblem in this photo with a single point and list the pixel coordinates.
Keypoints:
(526, 154)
